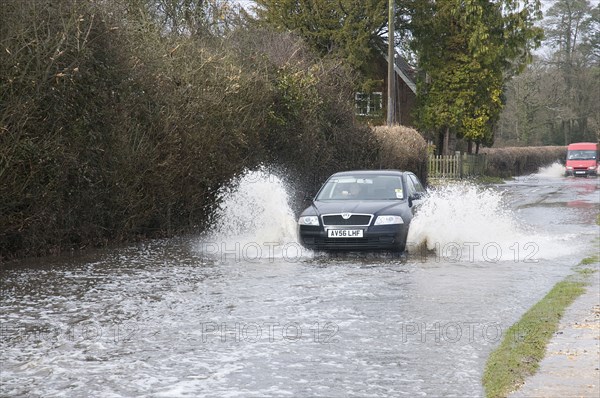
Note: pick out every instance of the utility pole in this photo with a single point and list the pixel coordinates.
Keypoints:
(391, 86)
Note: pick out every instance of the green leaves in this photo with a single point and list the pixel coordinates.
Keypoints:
(468, 49)
(348, 29)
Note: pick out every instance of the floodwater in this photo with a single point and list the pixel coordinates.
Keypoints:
(245, 311)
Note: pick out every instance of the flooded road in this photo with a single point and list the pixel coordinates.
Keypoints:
(244, 311)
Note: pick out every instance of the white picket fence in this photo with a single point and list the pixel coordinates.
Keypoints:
(456, 166)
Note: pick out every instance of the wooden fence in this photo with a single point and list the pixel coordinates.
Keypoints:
(456, 166)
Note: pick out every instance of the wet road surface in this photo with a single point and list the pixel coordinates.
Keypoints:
(174, 319)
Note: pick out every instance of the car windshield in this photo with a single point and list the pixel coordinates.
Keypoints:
(582, 155)
(359, 187)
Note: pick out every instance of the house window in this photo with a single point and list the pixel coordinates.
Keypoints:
(368, 104)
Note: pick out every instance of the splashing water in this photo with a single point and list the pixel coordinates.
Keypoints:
(254, 219)
(466, 222)
(458, 222)
(461, 213)
(555, 170)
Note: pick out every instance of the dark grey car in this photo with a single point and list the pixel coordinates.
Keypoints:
(362, 210)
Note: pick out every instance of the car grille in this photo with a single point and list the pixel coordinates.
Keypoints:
(355, 219)
(352, 244)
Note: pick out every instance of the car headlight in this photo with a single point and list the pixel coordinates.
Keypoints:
(308, 220)
(569, 168)
(387, 220)
(592, 168)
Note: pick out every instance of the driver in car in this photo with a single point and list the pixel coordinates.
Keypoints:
(354, 191)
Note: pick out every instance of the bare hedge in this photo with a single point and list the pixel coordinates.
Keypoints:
(111, 129)
(516, 161)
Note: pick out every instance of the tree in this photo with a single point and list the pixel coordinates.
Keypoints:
(527, 109)
(556, 101)
(567, 26)
(594, 36)
(348, 29)
(572, 30)
(198, 18)
(467, 50)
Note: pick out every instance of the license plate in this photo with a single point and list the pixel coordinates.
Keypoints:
(580, 172)
(345, 233)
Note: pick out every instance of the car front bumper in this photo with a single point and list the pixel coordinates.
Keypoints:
(380, 237)
(581, 172)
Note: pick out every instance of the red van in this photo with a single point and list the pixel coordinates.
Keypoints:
(582, 159)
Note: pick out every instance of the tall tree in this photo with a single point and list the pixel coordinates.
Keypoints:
(467, 50)
(567, 26)
(594, 36)
(557, 100)
(525, 114)
(570, 31)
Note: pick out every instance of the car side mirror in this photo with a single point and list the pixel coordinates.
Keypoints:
(416, 196)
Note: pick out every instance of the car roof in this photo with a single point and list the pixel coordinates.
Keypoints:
(583, 145)
(370, 172)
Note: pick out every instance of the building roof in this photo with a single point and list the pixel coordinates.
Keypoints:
(404, 70)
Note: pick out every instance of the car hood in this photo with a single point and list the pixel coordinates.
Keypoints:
(581, 163)
(355, 206)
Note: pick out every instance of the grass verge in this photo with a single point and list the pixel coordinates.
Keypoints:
(590, 260)
(525, 342)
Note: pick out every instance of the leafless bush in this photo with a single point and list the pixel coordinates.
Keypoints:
(403, 148)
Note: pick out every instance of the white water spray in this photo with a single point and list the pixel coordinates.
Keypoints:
(254, 220)
(463, 222)
(555, 170)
